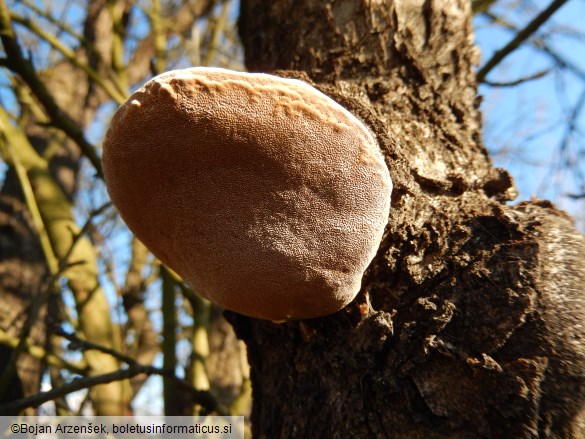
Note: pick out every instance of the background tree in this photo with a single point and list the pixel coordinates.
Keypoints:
(66, 62)
(468, 324)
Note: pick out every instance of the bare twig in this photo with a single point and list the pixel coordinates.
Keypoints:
(561, 60)
(563, 148)
(75, 385)
(170, 390)
(219, 28)
(77, 236)
(85, 345)
(145, 345)
(576, 196)
(540, 44)
(520, 37)
(202, 397)
(71, 56)
(62, 26)
(39, 353)
(518, 81)
(478, 6)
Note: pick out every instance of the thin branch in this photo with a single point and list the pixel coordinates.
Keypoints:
(519, 81)
(39, 353)
(80, 344)
(571, 129)
(23, 67)
(202, 397)
(573, 119)
(77, 236)
(62, 26)
(217, 32)
(563, 148)
(540, 44)
(576, 196)
(71, 56)
(479, 6)
(562, 61)
(145, 345)
(520, 37)
(75, 385)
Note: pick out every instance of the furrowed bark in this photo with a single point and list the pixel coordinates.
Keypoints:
(467, 324)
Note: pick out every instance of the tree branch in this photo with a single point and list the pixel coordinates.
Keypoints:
(576, 196)
(479, 6)
(112, 91)
(63, 27)
(79, 344)
(63, 263)
(520, 37)
(39, 353)
(23, 67)
(541, 45)
(518, 81)
(202, 397)
(75, 385)
(219, 28)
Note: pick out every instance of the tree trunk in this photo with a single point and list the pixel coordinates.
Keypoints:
(22, 277)
(470, 319)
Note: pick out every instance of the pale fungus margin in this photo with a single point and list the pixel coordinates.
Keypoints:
(265, 195)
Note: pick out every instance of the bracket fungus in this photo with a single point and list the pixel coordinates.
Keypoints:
(265, 195)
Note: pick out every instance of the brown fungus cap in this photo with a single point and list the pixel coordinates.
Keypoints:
(266, 196)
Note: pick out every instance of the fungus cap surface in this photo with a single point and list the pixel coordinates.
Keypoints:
(265, 195)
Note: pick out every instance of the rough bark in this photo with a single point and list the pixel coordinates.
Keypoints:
(22, 276)
(470, 319)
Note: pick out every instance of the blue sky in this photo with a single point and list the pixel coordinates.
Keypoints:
(525, 125)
